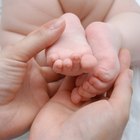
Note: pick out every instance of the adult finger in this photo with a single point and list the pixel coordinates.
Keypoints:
(122, 94)
(125, 59)
(36, 41)
(68, 84)
(50, 75)
(63, 95)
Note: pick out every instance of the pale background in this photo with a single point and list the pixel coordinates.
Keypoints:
(132, 131)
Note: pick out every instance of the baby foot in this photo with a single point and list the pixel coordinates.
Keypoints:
(105, 43)
(70, 55)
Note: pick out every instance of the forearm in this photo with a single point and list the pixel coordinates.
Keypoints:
(128, 25)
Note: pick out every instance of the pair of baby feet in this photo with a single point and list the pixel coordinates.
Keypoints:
(89, 54)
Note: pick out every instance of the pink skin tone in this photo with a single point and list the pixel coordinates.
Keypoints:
(100, 37)
(91, 51)
(99, 47)
(103, 119)
(23, 87)
(70, 55)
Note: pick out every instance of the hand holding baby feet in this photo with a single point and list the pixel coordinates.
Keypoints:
(70, 55)
(23, 87)
(105, 43)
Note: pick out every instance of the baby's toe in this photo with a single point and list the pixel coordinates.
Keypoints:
(75, 97)
(51, 59)
(88, 63)
(58, 66)
(67, 65)
(99, 85)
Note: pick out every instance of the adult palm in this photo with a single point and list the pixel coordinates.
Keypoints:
(101, 119)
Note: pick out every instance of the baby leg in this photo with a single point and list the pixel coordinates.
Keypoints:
(105, 43)
(70, 55)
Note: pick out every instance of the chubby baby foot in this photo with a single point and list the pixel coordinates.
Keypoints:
(70, 55)
(105, 43)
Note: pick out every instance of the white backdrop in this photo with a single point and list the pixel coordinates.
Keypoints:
(132, 131)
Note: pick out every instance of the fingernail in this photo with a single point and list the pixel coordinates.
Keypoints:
(57, 24)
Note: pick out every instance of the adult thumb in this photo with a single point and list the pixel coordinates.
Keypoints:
(36, 41)
(125, 59)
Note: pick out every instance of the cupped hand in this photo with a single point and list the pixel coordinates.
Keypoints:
(23, 89)
(103, 119)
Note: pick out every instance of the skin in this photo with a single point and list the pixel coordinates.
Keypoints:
(106, 118)
(69, 60)
(104, 41)
(23, 86)
(12, 14)
(96, 14)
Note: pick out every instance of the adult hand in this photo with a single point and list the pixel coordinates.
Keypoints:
(23, 89)
(103, 119)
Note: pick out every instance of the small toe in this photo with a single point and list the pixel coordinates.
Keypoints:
(99, 85)
(80, 79)
(58, 66)
(75, 97)
(90, 89)
(67, 65)
(51, 59)
(84, 94)
(88, 63)
(76, 58)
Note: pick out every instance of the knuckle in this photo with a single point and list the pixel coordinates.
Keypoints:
(40, 33)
